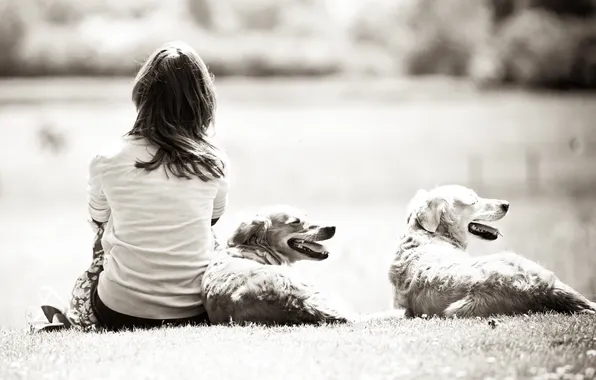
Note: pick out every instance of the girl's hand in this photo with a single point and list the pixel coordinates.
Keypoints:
(95, 225)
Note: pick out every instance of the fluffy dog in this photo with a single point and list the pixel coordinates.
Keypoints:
(432, 274)
(250, 281)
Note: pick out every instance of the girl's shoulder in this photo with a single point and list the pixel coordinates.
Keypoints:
(115, 151)
(226, 163)
(118, 146)
(221, 153)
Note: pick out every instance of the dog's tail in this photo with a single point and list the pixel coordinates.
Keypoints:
(319, 309)
(335, 319)
(565, 299)
(327, 314)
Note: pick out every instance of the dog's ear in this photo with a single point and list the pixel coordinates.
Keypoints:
(415, 203)
(253, 232)
(427, 210)
(429, 214)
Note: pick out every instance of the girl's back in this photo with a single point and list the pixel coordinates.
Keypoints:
(159, 237)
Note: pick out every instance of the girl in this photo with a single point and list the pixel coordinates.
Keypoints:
(156, 193)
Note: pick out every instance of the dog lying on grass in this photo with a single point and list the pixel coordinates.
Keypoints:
(250, 280)
(432, 274)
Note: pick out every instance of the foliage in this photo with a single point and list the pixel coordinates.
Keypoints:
(12, 31)
(492, 41)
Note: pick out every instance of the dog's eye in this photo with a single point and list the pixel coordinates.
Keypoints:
(294, 221)
(468, 201)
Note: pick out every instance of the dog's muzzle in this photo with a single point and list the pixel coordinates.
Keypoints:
(309, 246)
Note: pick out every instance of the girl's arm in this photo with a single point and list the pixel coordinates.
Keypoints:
(99, 210)
(221, 199)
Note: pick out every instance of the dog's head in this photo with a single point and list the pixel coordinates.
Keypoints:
(286, 231)
(453, 211)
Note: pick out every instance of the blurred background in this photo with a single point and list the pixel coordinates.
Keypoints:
(343, 108)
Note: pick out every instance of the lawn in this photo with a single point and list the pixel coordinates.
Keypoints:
(347, 152)
(539, 347)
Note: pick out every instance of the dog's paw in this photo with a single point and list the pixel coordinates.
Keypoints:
(335, 321)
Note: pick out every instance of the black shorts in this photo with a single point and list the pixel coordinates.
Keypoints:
(115, 321)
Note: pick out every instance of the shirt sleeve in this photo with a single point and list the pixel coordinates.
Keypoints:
(221, 198)
(99, 210)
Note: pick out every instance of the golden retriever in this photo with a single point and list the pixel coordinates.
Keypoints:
(432, 274)
(250, 280)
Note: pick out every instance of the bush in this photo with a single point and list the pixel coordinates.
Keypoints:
(450, 33)
(64, 12)
(532, 45)
(536, 48)
(201, 12)
(96, 46)
(294, 17)
(503, 9)
(103, 46)
(71, 12)
(109, 37)
(12, 31)
(425, 36)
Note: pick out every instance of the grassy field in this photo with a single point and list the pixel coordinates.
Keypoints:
(538, 347)
(347, 152)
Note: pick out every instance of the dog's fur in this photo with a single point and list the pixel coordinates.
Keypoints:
(250, 281)
(432, 274)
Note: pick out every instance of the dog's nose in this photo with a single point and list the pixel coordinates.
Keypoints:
(331, 229)
(505, 206)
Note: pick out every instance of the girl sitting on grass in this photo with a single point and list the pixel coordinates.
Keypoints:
(155, 195)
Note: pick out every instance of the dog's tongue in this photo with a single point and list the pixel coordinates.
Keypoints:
(483, 231)
(316, 247)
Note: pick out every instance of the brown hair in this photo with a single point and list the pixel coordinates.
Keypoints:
(175, 100)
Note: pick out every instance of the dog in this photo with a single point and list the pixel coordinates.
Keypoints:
(433, 275)
(250, 281)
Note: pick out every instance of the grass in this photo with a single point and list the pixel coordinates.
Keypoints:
(539, 347)
(350, 153)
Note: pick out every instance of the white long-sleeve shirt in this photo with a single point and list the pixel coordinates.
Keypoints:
(158, 239)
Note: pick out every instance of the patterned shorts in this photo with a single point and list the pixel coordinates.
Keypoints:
(80, 313)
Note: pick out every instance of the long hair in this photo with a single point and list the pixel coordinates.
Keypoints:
(175, 100)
